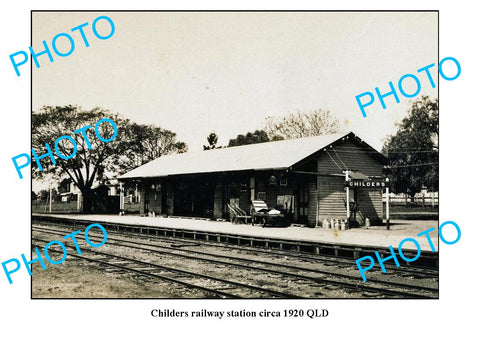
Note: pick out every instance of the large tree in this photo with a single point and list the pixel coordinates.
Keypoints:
(300, 125)
(149, 143)
(413, 150)
(92, 163)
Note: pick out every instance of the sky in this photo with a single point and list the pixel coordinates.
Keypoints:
(224, 72)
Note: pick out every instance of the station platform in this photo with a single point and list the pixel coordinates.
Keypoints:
(374, 236)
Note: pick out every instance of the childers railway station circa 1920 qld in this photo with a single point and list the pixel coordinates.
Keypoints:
(307, 181)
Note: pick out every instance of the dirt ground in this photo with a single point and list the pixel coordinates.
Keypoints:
(78, 279)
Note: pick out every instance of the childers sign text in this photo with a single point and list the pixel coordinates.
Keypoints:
(369, 184)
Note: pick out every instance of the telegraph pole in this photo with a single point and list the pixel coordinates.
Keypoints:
(50, 199)
(387, 212)
(348, 197)
(122, 199)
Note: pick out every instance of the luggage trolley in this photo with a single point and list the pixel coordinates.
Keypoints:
(261, 214)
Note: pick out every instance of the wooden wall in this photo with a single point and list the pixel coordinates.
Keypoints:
(331, 191)
(312, 203)
(331, 197)
(218, 200)
(369, 205)
(351, 155)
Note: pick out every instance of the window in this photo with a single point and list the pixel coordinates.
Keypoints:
(283, 179)
(285, 202)
(261, 195)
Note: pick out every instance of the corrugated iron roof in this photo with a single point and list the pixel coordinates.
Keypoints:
(271, 155)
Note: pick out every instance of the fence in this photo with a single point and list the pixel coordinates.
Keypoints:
(99, 205)
(417, 201)
(57, 207)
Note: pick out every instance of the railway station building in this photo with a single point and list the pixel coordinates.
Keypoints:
(305, 177)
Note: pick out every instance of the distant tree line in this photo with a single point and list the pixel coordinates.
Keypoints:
(291, 126)
(259, 136)
(299, 125)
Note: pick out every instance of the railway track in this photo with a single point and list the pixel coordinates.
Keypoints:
(170, 274)
(412, 270)
(406, 270)
(302, 274)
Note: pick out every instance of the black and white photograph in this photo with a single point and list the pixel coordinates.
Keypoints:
(240, 170)
(222, 158)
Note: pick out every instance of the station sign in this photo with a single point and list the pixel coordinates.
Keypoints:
(370, 183)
